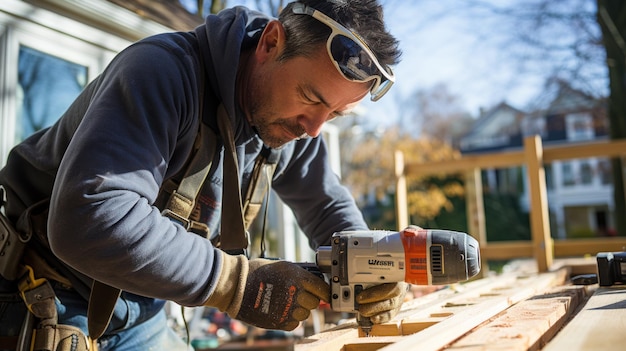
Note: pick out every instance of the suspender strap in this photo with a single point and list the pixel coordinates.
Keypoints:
(182, 201)
(233, 232)
(260, 181)
(100, 309)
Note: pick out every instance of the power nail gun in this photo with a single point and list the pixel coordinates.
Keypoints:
(357, 260)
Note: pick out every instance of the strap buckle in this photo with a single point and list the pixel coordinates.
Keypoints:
(189, 225)
(28, 280)
(38, 296)
(186, 223)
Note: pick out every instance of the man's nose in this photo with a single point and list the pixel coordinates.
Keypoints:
(313, 123)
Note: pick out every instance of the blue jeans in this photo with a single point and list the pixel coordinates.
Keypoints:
(153, 334)
(138, 324)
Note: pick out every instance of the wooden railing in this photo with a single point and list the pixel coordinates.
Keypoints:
(533, 156)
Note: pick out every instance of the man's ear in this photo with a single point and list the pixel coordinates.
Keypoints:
(272, 41)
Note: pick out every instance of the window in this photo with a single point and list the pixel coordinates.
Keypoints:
(47, 85)
(534, 126)
(549, 176)
(605, 171)
(42, 71)
(568, 174)
(579, 126)
(586, 173)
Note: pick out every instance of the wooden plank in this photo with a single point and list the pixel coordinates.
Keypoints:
(417, 314)
(331, 339)
(586, 150)
(438, 319)
(500, 250)
(402, 204)
(465, 163)
(516, 158)
(590, 246)
(577, 265)
(477, 226)
(446, 332)
(336, 338)
(600, 325)
(506, 250)
(539, 218)
(527, 325)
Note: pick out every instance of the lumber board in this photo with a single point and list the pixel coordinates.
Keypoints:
(527, 325)
(437, 307)
(539, 216)
(600, 325)
(577, 265)
(446, 332)
(336, 338)
(438, 319)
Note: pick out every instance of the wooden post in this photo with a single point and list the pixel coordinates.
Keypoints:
(402, 206)
(539, 214)
(475, 210)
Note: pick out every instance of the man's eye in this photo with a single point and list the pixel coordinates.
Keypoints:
(335, 115)
(310, 101)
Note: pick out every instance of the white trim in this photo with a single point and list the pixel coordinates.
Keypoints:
(127, 22)
(8, 86)
(125, 26)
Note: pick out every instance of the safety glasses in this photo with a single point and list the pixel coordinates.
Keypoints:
(349, 53)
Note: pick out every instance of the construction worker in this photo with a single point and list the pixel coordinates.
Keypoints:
(87, 189)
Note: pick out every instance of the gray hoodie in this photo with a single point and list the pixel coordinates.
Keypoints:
(103, 162)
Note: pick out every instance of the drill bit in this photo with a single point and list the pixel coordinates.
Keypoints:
(365, 324)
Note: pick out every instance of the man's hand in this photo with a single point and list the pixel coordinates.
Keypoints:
(266, 293)
(382, 302)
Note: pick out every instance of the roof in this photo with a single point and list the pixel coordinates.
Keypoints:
(169, 13)
(569, 99)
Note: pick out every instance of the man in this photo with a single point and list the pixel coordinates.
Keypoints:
(104, 162)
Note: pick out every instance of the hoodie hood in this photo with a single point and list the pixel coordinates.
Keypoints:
(227, 34)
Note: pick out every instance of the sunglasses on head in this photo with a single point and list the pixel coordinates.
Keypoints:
(350, 55)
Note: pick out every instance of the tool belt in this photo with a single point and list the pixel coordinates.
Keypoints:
(40, 330)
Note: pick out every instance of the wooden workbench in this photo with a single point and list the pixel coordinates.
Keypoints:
(515, 311)
(600, 325)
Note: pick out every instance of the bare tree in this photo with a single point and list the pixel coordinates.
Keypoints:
(442, 114)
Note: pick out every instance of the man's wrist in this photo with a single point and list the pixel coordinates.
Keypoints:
(228, 292)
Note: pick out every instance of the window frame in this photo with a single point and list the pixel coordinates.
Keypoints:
(17, 33)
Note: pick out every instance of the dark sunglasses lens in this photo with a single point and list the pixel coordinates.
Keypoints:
(354, 62)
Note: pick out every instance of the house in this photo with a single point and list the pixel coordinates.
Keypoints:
(580, 190)
(496, 129)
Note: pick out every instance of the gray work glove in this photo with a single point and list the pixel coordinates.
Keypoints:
(380, 303)
(265, 293)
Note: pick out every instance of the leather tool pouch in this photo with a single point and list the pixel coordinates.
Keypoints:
(60, 338)
(46, 334)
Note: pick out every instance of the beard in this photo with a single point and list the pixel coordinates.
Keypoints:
(273, 134)
(273, 130)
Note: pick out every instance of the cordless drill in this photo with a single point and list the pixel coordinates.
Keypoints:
(357, 260)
